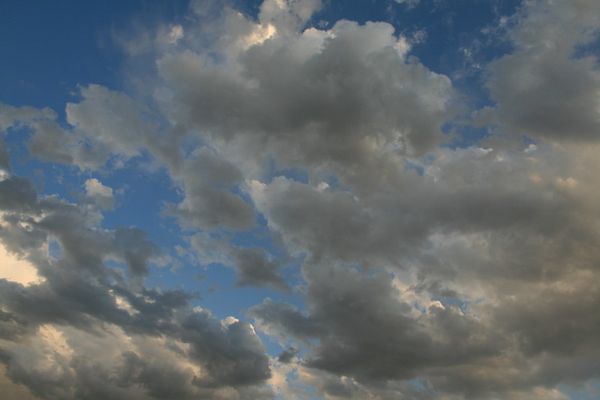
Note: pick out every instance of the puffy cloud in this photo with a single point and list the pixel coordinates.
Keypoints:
(476, 232)
(105, 126)
(99, 193)
(86, 331)
(13, 268)
(209, 183)
(344, 99)
(429, 272)
(253, 266)
(12, 117)
(395, 343)
(545, 87)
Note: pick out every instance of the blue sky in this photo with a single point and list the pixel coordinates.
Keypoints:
(299, 199)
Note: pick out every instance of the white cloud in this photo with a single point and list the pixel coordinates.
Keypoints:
(17, 269)
(175, 34)
(99, 193)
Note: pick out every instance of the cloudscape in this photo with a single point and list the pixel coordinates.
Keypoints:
(300, 199)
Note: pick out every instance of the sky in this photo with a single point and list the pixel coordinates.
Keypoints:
(300, 199)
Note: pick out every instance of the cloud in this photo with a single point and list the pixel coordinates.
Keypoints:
(409, 3)
(14, 269)
(255, 269)
(287, 355)
(98, 193)
(13, 117)
(105, 126)
(209, 184)
(394, 344)
(175, 34)
(85, 330)
(428, 271)
(253, 266)
(344, 99)
(545, 88)
(4, 157)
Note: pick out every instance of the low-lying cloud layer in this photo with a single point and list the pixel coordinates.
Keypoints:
(428, 271)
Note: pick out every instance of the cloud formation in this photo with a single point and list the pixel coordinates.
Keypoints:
(428, 271)
(88, 330)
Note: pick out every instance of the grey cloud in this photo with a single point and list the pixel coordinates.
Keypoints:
(544, 88)
(366, 331)
(288, 14)
(253, 266)
(105, 126)
(371, 342)
(136, 249)
(287, 355)
(383, 227)
(209, 184)
(339, 99)
(82, 297)
(233, 354)
(51, 142)
(464, 274)
(14, 117)
(118, 125)
(17, 194)
(255, 269)
(4, 157)
(278, 318)
(498, 231)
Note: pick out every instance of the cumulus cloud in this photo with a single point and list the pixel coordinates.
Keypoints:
(85, 330)
(344, 99)
(100, 194)
(427, 271)
(253, 266)
(546, 88)
(209, 183)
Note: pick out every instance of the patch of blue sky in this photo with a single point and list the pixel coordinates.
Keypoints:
(54, 249)
(217, 289)
(140, 200)
(421, 385)
(463, 134)
(273, 170)
(462, 304)
(590, 48)
(61, 45)
(585, 391)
